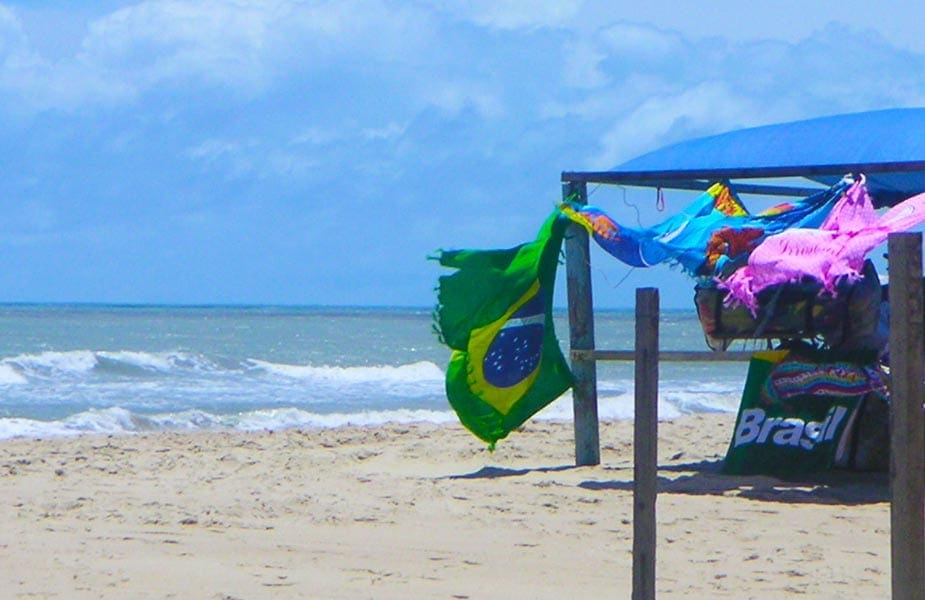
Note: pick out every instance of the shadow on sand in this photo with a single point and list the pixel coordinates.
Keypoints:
(705, 478)
(498, 472)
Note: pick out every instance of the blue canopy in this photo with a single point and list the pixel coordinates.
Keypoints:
(888, 146)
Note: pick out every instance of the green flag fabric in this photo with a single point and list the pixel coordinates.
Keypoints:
(495, 313)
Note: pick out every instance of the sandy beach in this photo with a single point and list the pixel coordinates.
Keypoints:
(421, 511)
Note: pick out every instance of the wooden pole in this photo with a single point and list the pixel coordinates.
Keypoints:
(907, 450)
(581, 337)
(645, 444)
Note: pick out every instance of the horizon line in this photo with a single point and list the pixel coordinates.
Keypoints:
(260, 305)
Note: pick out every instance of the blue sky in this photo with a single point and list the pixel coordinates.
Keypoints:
(291, 152)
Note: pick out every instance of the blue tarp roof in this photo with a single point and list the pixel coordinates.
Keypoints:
(888, 146)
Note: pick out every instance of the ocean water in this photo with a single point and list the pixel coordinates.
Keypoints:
(66, 370)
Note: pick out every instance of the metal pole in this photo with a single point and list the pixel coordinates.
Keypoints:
(581, 337)
(645, 444)
(907, 450)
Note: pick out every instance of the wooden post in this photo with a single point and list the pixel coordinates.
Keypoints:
(907, 450)
(581, 336)
(645, 444)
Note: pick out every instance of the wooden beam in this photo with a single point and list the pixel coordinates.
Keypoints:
(664, 176)
(739, 188)
(663, 356)
(645, 444)
(907, 450)
(581, 337)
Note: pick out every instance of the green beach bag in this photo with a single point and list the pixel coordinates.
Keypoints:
(798, 411)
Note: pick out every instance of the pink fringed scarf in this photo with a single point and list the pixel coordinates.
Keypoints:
(829, 254)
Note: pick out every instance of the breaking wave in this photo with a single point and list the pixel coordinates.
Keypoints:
(66, 393)
(78, 364)
(120, 421)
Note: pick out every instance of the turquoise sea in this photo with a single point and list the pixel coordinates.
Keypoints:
(71, 369)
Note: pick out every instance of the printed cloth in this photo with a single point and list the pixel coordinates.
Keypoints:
(828, 255)
(711, 236)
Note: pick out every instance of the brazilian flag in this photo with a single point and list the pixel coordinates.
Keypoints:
(495, 312)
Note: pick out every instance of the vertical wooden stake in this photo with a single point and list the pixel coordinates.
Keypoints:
(581, 337)
(907, 451)
(645, 444)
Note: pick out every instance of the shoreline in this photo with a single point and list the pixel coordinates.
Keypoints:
(422, 511)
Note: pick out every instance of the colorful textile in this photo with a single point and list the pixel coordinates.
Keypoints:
(798, 412)
(834, 252)
(710, 236)
(495, 313)
(848, 320)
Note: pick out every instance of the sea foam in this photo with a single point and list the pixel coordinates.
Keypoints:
(355, 374)
(119, 421)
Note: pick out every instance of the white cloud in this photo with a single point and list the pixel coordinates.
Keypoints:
(214, 149)
(605, 103)
(453, 97)
(703, 109)
(641, 43)
(29, 83)
(657, 87)
(235, 46)
(228, 40)
(315, 136)
(389, 131)
(13, 40)
(156, 41)
(582, 65)
(514, 14)
(232, 159)
(290, 165)
(620, 65)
